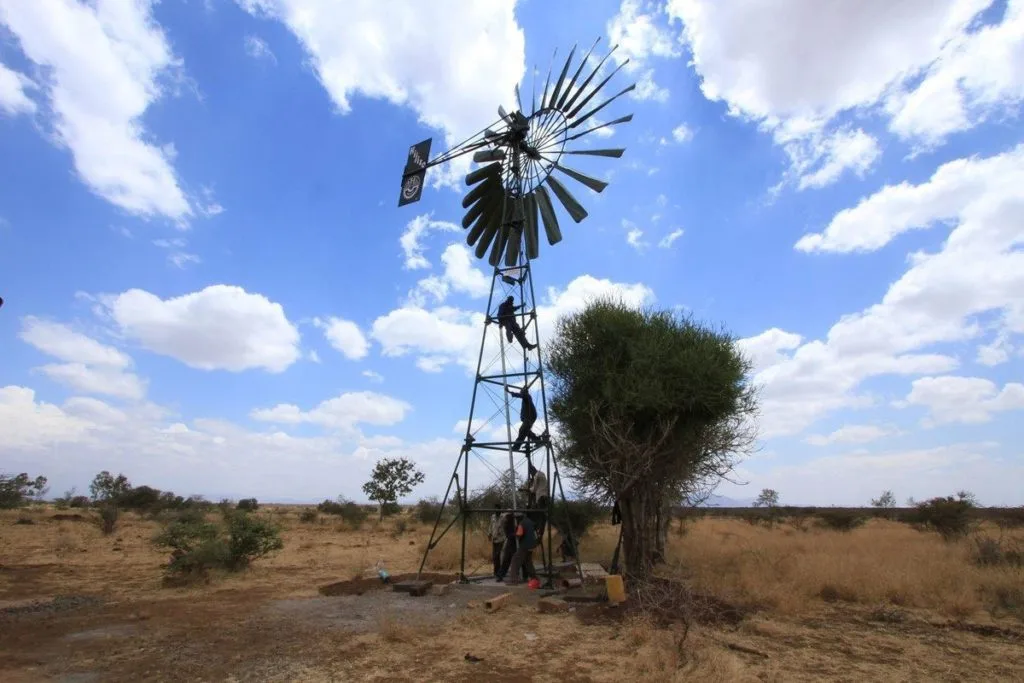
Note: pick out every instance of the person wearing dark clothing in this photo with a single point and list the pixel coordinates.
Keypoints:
(507, 319)
(522, 560)
(508, 527)
(497, 534)
(527, 417)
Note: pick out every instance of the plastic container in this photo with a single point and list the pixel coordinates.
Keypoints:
(616, 588)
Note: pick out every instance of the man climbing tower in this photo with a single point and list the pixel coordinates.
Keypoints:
(507, 319)
(527, 416)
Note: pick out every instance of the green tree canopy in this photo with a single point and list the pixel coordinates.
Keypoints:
(392, 478)
(653, 408)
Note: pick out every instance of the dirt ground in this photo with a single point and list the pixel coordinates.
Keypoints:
(79, 607)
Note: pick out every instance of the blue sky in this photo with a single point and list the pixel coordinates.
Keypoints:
(208, 285)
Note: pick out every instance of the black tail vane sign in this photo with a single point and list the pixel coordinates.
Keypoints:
(415, 173)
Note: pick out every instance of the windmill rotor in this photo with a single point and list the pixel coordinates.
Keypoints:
(524, 162)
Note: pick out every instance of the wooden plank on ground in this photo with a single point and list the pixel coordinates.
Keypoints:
(496, 603)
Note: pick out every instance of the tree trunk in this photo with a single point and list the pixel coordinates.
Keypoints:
(640, 522)
(664, 517)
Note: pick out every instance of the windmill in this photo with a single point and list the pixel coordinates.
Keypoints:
(523, 168)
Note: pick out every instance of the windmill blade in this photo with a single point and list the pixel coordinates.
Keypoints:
(533, 99)
(485, 188)
(502, 113)
(561, 78)
(625, 119)
(613, 153)
(575, 209)
(474, 177)
(519, 100)
(499, 246)
(601, 106)
(596, 90)
(593, 183)
(576, 75)
(496, 154)
(485, 203)
(583, 86)
(513, 244)
(485, 218)
(487, 234)
(544, 97)
(530, 226)
(547, 214)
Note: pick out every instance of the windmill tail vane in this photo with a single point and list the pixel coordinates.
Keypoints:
(515, 188)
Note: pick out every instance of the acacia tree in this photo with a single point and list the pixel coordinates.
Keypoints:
(654, 409)
(392, 478)
(106, 488)
(768, 498)
(886, 501)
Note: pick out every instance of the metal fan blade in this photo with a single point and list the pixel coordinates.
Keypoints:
(561, 78)
(499, 246)
(530, 228)
(625, 119)
(482, 222)
(544, 97)
(547, 214)
(490, 229)
(601, 106)
(574, 208)
(474, 177)
(533, 98)
(513, 245)
(489, 185)
(519, 100)
(613, 153)
(583, 86)
(572, 82)
(496, 154)
(596, 90)
(593, 183)
(502, 113)
(480, 207)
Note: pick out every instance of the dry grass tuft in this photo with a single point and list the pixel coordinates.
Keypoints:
(882, 561)
(446, 554)
(394, 629)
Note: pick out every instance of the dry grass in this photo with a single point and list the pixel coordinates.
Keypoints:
(788, 571)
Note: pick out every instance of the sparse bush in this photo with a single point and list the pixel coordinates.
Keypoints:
(581, 514)
(390, 509)
(196, 546)
(107, 487)
(994, 552)
(401, 525)
(1009, 518)
(250, 538)
(308, 516)
(18, 490)
(351, 513)
(949, 516)
(140, 499)
(79, 502)
(248, 504)
(427, 510)
(840, 520)
(108, 516)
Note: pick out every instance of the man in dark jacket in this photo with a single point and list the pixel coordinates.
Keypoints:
(527, 417)
(508, 527)
(522, 560)
(507, 320)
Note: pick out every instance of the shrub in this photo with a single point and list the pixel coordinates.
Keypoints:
(250, 538)
(351, 513)
(24, 520)
(248, 504)
(949, 516)
(993, 552)
(140, 499)
(401, 525)
(109, 514)
(196, 546)
(580, 514)
(840, 520)
(79, 502)
(308, 516)
(1009, 518)
(427, 510)
(390, 509)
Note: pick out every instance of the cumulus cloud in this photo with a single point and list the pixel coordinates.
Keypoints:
(968, 400)
(668, 240)
(105, 61)
(14, 89)
(460, 275)
(220, 327)
(799, 67)
(343, 412)
(345, 336)
(856, 434)
(640, 31)
(415, 231)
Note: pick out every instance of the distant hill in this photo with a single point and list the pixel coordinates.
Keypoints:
(716, 501)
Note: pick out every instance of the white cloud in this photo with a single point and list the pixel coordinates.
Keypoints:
(969, 400)
(647, 89)
(345, 336)
(996, 352)
(682, 133)
(343, 412)
(641, 34)
(453, 73)
(963, 186)
(221, 327)
(177, 257)
(373, 376)
(14, 89)
(257, 48)
(798, 66)
(668, 240)
(634, 236)
(978, 270)
(460, 275)
(416, 230)
(445, 335)
(765, 349)
(851, 434)
(89, 366)
(104, 60)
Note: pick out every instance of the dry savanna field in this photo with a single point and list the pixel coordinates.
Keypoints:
(883, 602)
